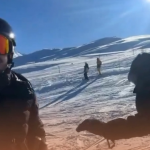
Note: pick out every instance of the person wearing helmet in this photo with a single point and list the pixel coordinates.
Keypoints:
(20, 125)
(134, 126)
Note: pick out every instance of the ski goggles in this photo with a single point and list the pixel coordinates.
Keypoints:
(4, 45)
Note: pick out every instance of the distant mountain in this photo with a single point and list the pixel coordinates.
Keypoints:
(50, 54)
(104, 45)
(17, 54)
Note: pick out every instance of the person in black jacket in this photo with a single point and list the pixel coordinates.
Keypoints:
(137, 125)
(86, 69)
(20, 124)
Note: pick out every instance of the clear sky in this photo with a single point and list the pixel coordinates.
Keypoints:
(42, 24)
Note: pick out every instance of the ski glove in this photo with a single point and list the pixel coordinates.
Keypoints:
(91, 125)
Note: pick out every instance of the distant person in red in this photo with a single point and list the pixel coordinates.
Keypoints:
(137, 125)
(99, 63)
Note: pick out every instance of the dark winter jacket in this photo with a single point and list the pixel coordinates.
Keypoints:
(134, 126)
(19, 117)
(86, 68)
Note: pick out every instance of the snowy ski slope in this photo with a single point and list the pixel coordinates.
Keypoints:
(65, 99)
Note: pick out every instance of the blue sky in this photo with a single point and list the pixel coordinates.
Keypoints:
(42, 24)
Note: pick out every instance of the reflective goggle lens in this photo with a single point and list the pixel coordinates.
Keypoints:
(4, 45)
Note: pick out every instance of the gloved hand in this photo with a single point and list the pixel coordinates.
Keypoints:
(91, 125)
(94, 126)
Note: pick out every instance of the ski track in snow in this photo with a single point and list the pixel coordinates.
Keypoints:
(65, 99)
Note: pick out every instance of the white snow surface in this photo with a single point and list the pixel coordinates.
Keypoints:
(65, 99)
(16, 54)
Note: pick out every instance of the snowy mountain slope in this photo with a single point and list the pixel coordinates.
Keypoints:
(104, 45)
(40, 60)
(51, 54)
(17, 54)
(65, 99)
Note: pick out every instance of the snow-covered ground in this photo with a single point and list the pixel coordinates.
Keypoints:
(16, 54)
(65, 99)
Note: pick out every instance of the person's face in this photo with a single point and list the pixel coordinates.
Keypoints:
(3, 62)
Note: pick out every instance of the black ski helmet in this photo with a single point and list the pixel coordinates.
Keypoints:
(140, 69)
(6, 31)
(139, 72)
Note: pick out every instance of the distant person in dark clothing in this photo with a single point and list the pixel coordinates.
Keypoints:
(86, 69)
(99, 63)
